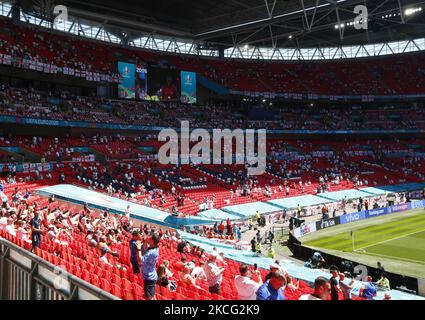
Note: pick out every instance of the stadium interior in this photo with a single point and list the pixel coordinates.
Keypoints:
(87, 89)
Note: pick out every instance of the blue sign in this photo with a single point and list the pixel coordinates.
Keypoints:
(376, 212)
(417, 204)
(188, 87)
(398, 208)
(352, 217)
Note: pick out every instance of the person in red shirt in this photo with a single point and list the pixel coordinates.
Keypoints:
(178, 266)
(229, 226)
(221, 228)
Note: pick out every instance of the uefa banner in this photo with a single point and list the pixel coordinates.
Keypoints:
(188, 87)
(127, 85)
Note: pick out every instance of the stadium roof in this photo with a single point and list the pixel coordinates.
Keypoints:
(261, 23)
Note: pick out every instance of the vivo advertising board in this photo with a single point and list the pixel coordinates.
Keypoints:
(352, 217)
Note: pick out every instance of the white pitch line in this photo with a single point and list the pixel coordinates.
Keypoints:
(392, 257)
(388, 240)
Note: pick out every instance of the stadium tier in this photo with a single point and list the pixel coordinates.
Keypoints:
(156, 159)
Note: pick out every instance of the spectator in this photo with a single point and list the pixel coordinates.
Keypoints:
(245, 285)
(178, 266)
(199, 272)
(334, 283)
(36, 233)
(135, 250)
(345, 288)
(383, 283)
(272, 289)
(273, 268)
(271, 253)
(379, 270)
(188, 279)
(214, 274)
(162, 277)
(10, 227)
(149, 260)
(168, 272)
(322, 289)
(318, 261)
(368, 289)
(253, 245)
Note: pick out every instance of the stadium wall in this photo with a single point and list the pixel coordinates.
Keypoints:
(25, 276)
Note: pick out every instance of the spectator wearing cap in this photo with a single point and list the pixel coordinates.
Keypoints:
(322, 289)
(273, 268)
(245, 284)
(214, 273)
(272, 289)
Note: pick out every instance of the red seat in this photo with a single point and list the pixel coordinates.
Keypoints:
(95, 280)
(105, 285)
(128, 295)
(86, 276)
(138, 290)
(116, 290)
(126, 285)
(116, 279)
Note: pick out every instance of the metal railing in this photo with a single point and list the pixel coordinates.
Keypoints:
(25, 276)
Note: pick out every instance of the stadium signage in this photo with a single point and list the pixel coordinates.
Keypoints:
(398, 207)
(376, 212)
(323, 224)
(417, 204)
(352, 217)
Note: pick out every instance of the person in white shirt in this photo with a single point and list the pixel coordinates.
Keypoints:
(322, 288)
(10, 228)
(104, 259)
(198, 272)
(214, 274)
(244, 284)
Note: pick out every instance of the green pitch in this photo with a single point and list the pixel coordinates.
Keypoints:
(398, 239)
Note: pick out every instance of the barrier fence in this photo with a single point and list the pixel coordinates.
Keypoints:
(25, 276)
